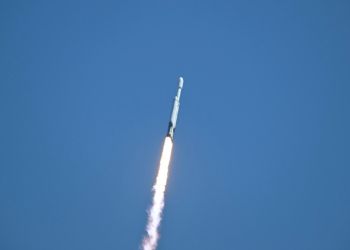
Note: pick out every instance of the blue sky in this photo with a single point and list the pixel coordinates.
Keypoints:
(261, 154)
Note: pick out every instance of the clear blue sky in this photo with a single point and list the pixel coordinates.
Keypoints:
(261, 157)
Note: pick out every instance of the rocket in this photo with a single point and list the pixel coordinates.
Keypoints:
(175, 110)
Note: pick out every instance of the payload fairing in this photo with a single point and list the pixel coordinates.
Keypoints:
(175, 110)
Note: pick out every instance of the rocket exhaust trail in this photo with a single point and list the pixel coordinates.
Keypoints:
(155, 213)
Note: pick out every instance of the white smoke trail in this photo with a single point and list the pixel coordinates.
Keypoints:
(155, 213)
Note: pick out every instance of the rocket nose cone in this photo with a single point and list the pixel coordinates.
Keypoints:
(181, 82)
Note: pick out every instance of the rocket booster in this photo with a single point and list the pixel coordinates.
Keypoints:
(175, 110)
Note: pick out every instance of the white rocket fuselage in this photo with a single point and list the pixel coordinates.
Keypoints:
(175, 110)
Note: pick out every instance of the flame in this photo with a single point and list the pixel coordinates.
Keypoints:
(155, 213)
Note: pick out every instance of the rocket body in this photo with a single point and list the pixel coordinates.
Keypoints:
(175, 111)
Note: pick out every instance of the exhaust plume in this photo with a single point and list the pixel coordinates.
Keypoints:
(155, 212)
